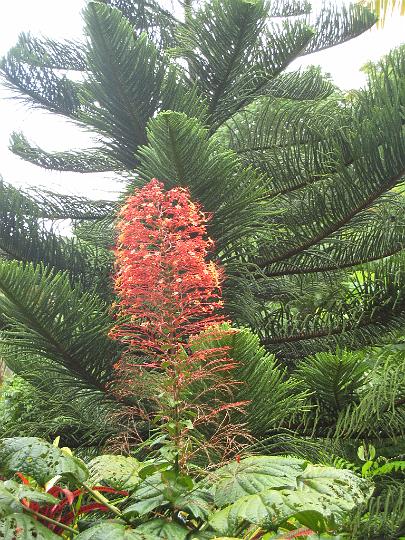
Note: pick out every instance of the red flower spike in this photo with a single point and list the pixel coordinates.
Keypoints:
(168, 295)
(166, 288)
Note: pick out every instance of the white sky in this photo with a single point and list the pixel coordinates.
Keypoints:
(60, 19)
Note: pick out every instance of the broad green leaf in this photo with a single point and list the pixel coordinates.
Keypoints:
(24, 527)
(323, 492)
(269, 508)
(11, 493)
(118, 472)
(9, 503)
(198, 502)
(344, 488)
(149, 494)
(255, 474)
(111, 531)
(39, 459)
(19, 492)
(160, 528)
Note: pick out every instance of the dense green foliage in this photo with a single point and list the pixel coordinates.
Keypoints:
(304, 185)
(257, 494)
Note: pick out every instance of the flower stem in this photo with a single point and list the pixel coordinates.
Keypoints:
(103, 500)
(50, 520)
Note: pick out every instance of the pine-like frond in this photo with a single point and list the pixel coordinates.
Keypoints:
(47, 53)
(337, 24)
(230, 56)
(148, 16)
(308, 84)
(48, 319)
(25, 236)
(360, 309)
(383, 517)
(380, 411)
(378, 165)
(41, 410)
(54, 206)
(81, 161)
(40, 86)
(123, 88)
(294, 143)
(375, 234)
(180, 152)
(274, 397)
(333, 379)
(99, 233)
(289, 8)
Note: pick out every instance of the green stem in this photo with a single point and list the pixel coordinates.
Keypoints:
(103, 500)
(50, 520)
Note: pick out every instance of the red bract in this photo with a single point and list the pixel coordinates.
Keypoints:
(169, 295)
(61, 511)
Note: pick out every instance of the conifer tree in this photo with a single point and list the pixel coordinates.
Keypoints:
(303, 183)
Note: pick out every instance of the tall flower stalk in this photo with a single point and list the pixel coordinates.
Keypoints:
(168, 316)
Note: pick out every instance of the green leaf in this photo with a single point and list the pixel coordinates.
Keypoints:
(270, 508)
(149, 495)
(19, 491)
(255, 474)
(345, 489)
(24, 527)
(39, 459)
(323, 494)
(118, 472)
(111, 531)
(160, 528)
(197, 502)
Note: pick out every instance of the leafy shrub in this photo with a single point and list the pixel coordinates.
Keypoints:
(20, 406)
(152, 500)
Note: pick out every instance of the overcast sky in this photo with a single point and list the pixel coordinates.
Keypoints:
(60, 19)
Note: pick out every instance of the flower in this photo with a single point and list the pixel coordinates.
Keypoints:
(163, 280)
(168, 311)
